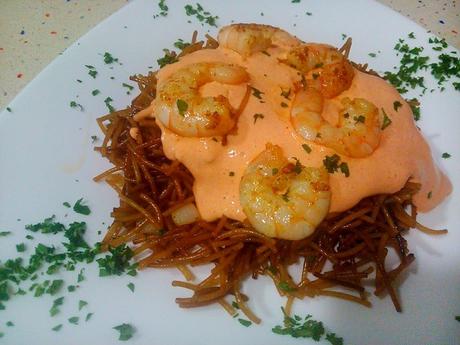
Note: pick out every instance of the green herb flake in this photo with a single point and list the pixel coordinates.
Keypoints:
(333, 164)
(88, 316)
(256, 92)
(285, 196)
(10, 324)
(286, 93)
(21, 247)
(131, 286)
(372, 55)
(163, 9)
(109, 59)
(295, 1)
(397, 105)
(55, 286)
(334, 339)
(66, 204)
(446, 155)
(129, 87)
(71, 288)
(258, 116)
(80, 208)
(125, 330)
(306, 148)
(81, 304)
(81, 276)
(91, 71)
(182, 106)
(108, 104)
(168, 58)
(8, 109)
(95, 92)
(245, 323)
(284, 286)
(359, 119)
(457, 318)
(5, 233)
(386, 120)
(308, 13)
(117, 262)
(74, 104)
(74, 320)
(57, 328)
(94, 138)
(55, 307)
(180, 44)
(411, 35)
(415, 107)
(235, 305)
(204, 17)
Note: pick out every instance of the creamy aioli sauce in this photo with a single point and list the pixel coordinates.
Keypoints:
(402, 154)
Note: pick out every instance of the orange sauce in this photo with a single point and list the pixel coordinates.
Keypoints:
(402, 154)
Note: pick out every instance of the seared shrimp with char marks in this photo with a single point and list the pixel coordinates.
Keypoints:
(180, 107)
(328, 70)
(247, 39)
(357, 133)
(282, 199)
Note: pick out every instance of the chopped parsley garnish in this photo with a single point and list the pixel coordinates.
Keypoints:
(81, 276)
(48, 226)
(204, 17)
(56, 304)
(109, 59)
(180, 44)
(91, 71)
(359, 118)
(457, 318)
(5, 233)
(256, 92)
(397, 105)
(66, 204)
(298, 167)
(8, 109)
(71, 288)
(21, 247)
(55, 287)
(169, 58)
(131, 286)
(163, 9)
(411, 35)
(306, 148)
(284, 286)
(286, 94)
(80, 208)
(117, 262)
(245, 323)
(295, 1)
(308, 13)
(415, 107)
(129, 87)
(446, 155)
(108, 104)
(274, 171)
(125, 330)
(285, 196)
(57, 328)
(372, 55)
(333, 339)
(9, 324)
(94, 138)
(386, 120)
(95, 92)
(333, 164)
(296, 328)
(74, 104)
(88, 316)
(182, 106)
(81, 304)
(74, 320)
(258, 116)
(235, 305)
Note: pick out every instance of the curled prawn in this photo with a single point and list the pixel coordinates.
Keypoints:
(327, 70)
(357, 133)
(180, 107)
(282, 199)
(247, 39)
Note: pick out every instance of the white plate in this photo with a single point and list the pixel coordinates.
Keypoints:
(46, 158)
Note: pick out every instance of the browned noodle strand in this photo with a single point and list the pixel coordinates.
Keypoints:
(351, 244)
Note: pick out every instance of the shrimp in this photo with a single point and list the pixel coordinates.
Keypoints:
(357, 133)
(282, 199)
(180, 107)
(331, 73)
(247, 39)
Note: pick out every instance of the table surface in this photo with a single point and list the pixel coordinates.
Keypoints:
(33, 33)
